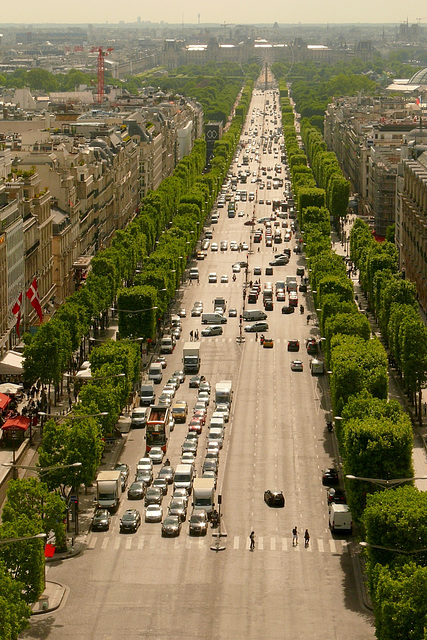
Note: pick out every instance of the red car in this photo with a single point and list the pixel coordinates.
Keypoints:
(249, 223)
(201, 415)
(195, 425)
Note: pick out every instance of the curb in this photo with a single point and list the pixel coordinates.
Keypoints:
(54, 607)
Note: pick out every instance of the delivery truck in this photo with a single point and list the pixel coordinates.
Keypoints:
(109, 489)
(204, 494)
(191, 357)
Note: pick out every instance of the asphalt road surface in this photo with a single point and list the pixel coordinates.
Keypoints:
(144, 586)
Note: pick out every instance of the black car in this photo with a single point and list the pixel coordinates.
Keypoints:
(136, 491)
(300, 271)
(195, 381)
(330, 477)
(312, 347)
(288, 309)
(302, 288)
(178, 508)
(274, 498)
(101, 520)
(293, 345)
(268, 305)
(171, 526)
(198, 523)
(336, 495)
(130, 521)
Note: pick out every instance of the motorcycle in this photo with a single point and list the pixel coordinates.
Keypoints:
(215, 518)
(330, 426)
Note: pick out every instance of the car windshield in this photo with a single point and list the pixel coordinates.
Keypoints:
(198, 518)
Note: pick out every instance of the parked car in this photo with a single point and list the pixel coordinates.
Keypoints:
(330, 477)
(293, 345)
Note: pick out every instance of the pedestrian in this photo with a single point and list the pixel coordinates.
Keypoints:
(70, 401)
(294, 536)
(308, 318)
(252, 539)
(198, 280)
(306, 538)
(197, 334)
(256, 336)
(191, 336)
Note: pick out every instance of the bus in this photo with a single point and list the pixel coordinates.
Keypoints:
(158, 427)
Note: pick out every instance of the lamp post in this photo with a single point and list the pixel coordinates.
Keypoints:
(368, 545)
(389, 483)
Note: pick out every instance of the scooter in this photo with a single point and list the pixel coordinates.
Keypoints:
(215, 518)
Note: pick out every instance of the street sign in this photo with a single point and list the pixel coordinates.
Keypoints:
(73, 499)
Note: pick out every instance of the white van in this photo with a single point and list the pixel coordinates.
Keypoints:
(213, 318)
(217, 421)
(167, 344)
(155, 372)
(252, 315)
(183, 478)
(340, 518)
(216, 435)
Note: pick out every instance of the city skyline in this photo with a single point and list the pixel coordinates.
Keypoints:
(192, 12)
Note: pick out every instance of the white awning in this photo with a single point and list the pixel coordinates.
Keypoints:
(12, 364)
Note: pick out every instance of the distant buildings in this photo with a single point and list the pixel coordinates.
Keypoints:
(68, 182)
(381, 145)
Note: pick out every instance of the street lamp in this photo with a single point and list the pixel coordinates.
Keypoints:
(133, 310)
(42, 470)
(393, 482)
(368, 545)
(23, 539)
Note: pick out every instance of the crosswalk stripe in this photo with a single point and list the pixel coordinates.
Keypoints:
(105, 543)
(260, 544)
(128, 543)
(332, 546)
(91, 542)
(236, 542)
(273, 544)
(320, 545)
(141, 542)
(284, 544)
(117, 543)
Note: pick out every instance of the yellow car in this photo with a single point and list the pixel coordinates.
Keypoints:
(268, 343)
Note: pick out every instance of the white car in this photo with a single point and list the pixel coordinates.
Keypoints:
(203, 397)
(188, 458)
(154, 513)
(224, 279)
(214, 246)
(156, 455)
(236, 268)
(223, 410)
(144, 464)
(212, 278)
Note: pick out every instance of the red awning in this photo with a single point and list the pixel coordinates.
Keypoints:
(49, 550)
(4, 401)
(19, 422)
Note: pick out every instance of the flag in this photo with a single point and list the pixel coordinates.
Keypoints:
(33, 297)
(16, 310)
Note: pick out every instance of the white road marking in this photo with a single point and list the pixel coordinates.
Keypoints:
(320, 545)
(91, 542)
(141, 542)
(236, 542)
(128, 543)
(332, 546)
(105, 543)
(117, 543)
(273, 544)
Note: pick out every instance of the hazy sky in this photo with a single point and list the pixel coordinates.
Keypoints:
(237, 12)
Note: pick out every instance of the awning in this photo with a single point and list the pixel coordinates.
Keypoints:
(19, 422)
(4, 401)
(12, 364)
(84, 374)
(10, 389)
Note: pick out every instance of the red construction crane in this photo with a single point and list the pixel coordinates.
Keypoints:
(100, 70)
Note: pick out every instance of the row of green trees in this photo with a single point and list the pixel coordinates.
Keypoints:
(374, 434)
(393, 301)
